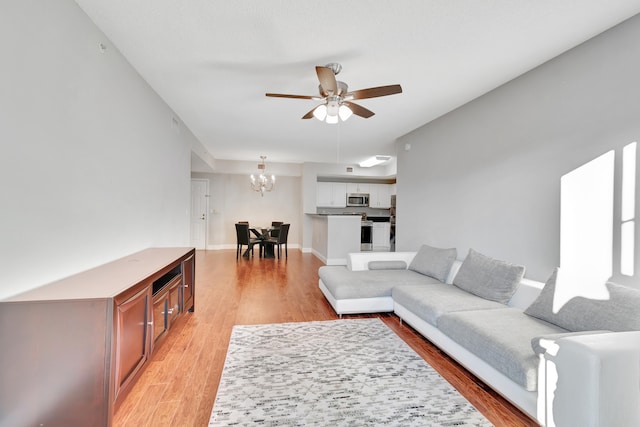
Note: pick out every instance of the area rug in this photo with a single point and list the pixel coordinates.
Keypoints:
(354, 372)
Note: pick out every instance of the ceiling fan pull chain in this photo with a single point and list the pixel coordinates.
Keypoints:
(338, 143)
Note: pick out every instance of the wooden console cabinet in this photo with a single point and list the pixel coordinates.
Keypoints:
(70, 350)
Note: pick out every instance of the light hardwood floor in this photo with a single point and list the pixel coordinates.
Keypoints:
(178, 386)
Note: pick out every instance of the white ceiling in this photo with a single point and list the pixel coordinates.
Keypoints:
(213, 61)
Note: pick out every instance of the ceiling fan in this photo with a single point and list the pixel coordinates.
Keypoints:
(337, 99)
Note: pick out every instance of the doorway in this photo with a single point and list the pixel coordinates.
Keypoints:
(199, 213)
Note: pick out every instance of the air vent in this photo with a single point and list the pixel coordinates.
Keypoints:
(349, 169)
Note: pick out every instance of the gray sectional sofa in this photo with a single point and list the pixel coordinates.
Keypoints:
(502, 327)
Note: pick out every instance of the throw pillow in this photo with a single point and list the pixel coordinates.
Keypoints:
(387, 265)
(619, 313)
(434, 262)
(488, 278)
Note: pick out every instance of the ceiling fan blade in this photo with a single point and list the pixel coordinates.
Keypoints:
(327, 81)
(310, 113)
(282, 95)
(374, 92)
(358, 110)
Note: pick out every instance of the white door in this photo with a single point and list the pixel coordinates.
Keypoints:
(199, 190)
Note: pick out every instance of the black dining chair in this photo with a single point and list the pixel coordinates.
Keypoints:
(275, 225)
(280, 240)
(242, 234)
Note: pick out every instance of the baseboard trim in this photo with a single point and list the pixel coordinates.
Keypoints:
(227, 246)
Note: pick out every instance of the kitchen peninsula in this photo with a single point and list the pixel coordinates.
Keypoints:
(334, 236)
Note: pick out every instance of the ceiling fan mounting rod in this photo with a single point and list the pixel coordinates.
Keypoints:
(335, 67)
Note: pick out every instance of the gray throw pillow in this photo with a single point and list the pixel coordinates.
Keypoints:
(388, 265)
(488, 278)
(434, 262)
(619, 313)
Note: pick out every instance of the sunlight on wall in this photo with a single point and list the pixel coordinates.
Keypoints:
(586, 247)
(586, 231)
(587, 225)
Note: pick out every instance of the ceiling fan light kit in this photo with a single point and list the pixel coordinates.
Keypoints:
(320, 112)
(344, 112)
(336, 96)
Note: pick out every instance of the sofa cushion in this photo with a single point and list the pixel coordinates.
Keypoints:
(387, 265)
(488, 277)
(431, 302)
(346, 284)
(434, 262)
(500, 337)
(619, 313)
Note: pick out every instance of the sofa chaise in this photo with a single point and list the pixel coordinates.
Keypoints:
(564, 368)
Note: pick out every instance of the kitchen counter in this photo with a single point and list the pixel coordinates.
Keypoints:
(334, 236)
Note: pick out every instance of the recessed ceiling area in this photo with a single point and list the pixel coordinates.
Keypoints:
(213, 61)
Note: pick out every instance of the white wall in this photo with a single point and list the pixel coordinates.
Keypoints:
(231, 200)
(92, 166)
(487, 175)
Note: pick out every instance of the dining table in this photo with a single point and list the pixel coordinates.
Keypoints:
(262, 233)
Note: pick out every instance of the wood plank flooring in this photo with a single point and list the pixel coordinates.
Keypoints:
(178, 386)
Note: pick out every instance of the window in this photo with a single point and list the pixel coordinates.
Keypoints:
(628, 210)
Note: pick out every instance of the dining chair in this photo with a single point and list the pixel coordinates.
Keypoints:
(275, 225)
(242, 234)
(280, 240)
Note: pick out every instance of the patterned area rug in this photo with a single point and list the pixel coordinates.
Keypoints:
(335, 373)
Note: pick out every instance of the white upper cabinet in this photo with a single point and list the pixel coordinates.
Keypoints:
(334, 194)
(380, 196)
(331, 195)
(355, 187)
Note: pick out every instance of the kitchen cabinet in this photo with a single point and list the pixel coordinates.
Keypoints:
(331, 195)
(358, 187)
(380, 196)
(72, 349)
(381, 236)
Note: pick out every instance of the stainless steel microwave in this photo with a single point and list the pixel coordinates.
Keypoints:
(358, 199)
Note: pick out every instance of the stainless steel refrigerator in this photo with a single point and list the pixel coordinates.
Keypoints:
(392, 220)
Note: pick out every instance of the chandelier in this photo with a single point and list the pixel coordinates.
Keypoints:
(262, 182)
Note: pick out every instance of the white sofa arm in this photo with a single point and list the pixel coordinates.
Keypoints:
(360, 260)
(590, 380)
